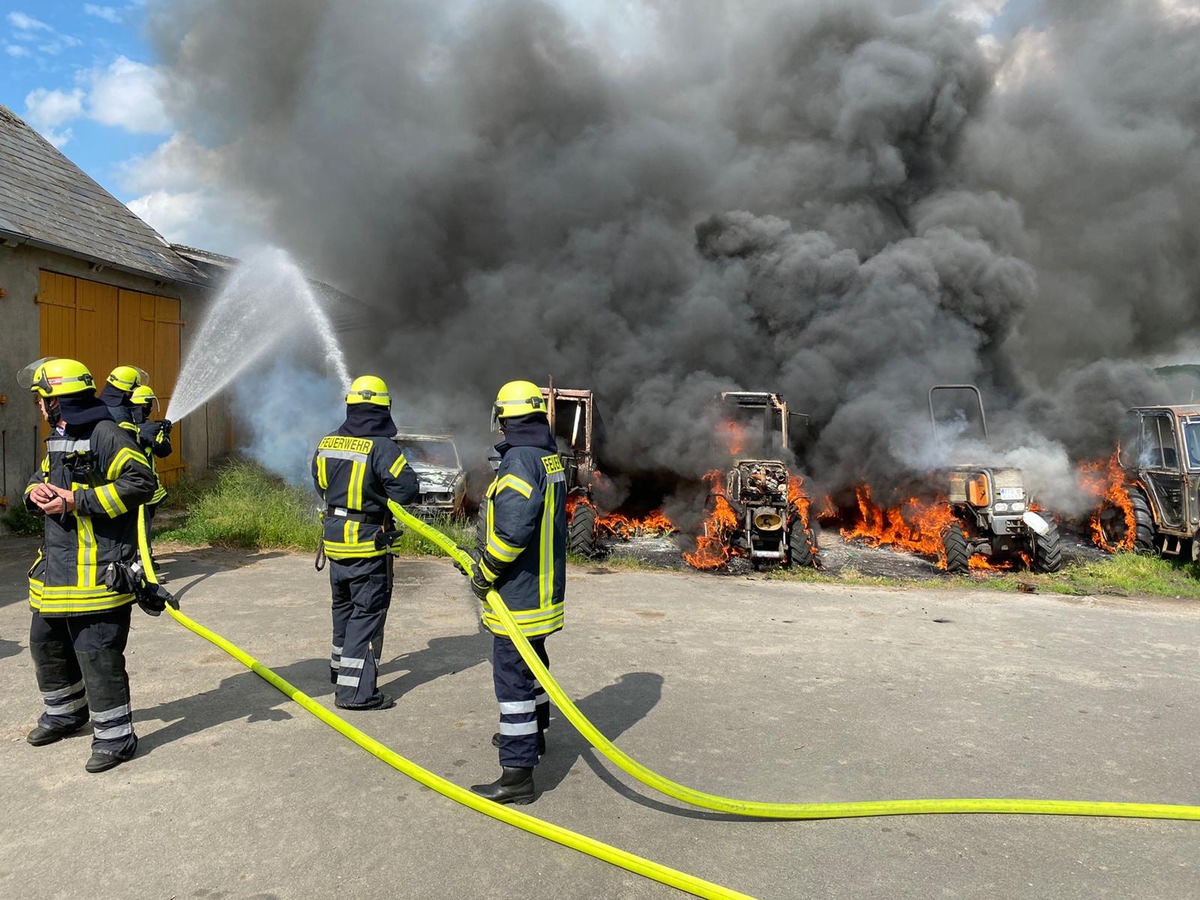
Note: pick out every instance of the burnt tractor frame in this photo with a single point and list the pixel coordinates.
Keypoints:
(770, 528)
(1159, 454)
(990, 507)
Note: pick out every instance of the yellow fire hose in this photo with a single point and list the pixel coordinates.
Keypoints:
(628, 861)
(636, 864)
(760, 809)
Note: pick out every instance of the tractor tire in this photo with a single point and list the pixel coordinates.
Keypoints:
(801, 545)
(958, 553)
(481, 526)
(1047, 550)
(1143, 541)
(1115, 531)
(581, 531)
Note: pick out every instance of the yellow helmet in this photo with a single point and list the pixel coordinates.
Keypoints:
(126, 378)
(369, 389)
(143, 394)
(517, 398)
(53, 376)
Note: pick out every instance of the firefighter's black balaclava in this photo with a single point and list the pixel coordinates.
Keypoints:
(368, 420)
(114, 396)
(137, 412)
(531, 430)
(81, 412)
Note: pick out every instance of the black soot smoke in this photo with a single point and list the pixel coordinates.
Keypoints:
(845, 202)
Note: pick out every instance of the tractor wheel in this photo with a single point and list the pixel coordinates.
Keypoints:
(958, 553)
(481, 526)
(801, 544)
(581, 531)
(1115, 530)
(1047, 550)
(1143, 541)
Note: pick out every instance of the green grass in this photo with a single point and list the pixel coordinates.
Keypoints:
(1124, 575)
(242, 505)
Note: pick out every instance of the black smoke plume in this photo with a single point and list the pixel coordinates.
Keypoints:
(844, 201)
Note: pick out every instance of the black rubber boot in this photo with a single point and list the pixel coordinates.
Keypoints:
(41, 736)
(379, 701)
(541, 742)
(102, 762)
(513, 786)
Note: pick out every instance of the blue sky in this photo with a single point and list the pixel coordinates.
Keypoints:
(77, 72)
(82, 74)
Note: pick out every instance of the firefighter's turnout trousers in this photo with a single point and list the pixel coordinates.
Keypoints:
(361, 595)
(524, 706)
(80, 665)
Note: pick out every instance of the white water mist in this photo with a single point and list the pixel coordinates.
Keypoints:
(266, 300)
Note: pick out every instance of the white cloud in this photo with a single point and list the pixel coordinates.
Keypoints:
(58, 139)
(48, 109)
(979, 12)
(127, 95)
(15, 50)
(22, 22)
(107, 13)
(195, 218)
(178, 165)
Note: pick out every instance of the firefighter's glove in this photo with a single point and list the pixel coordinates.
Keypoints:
(165, 426)
(154, 598)
(471, 552)
(479, 584)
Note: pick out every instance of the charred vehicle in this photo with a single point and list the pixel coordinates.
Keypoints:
(441, 479)
(771, 525)
(576, 425)
(1159, 455)
(991, 510)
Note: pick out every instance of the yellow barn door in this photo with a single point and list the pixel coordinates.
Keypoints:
(103, 326)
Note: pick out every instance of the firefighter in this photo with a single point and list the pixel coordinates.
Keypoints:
(525, 560)
(361, 475)
(154, 437)
(118, 393)
(89, 486)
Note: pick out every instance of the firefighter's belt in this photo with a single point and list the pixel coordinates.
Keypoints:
(354, 515)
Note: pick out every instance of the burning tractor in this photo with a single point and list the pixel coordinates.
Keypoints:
(575, 423)
(1157, 509)
(760, 513)
(991, 510)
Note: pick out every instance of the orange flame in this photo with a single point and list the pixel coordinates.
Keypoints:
(915, 525)
(735, 436)
(712, 547)
(654, 523)
(1104, 480)
(797, 497)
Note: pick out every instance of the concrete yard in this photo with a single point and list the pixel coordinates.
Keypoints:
(740, 686)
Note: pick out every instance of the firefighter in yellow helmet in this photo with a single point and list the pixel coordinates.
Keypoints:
(362, 476)
(89, 487)
(154, 437)
(525, 560)
(117, 393)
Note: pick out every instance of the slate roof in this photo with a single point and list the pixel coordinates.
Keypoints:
(48, 201)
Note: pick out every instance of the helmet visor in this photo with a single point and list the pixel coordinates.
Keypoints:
(25, 375)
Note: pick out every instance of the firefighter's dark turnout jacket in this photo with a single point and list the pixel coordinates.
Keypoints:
(356, 477)
(526, 552)
(110, 478)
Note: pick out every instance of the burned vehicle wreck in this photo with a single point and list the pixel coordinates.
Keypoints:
(441, 479)
(1159, 457)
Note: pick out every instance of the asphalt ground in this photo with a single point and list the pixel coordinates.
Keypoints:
(741, 686)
